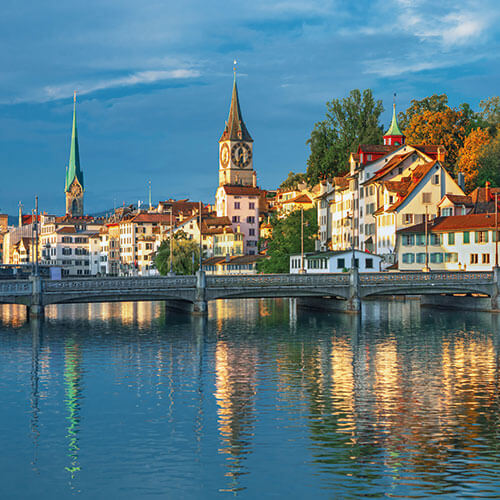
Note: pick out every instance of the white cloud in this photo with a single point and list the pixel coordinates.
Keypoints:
(53, 92)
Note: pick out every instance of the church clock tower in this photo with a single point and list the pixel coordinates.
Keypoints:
(74, 175)
(236, 148)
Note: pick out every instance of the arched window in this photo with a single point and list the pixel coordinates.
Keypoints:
(74, 207)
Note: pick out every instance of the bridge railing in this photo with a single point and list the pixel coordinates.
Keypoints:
(421, 277)
(271, 280)
(117, 284)
(17, 287)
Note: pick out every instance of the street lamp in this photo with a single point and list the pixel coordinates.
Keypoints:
(171, 272)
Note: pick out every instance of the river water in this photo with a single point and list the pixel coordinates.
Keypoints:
(257, 400)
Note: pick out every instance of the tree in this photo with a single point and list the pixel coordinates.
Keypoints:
(185, 256)
(490, 112)
(446, 127)
(349, 122)
(489, 164)
(286, 240)
(468, 160)
(293, 180)
(434, 103)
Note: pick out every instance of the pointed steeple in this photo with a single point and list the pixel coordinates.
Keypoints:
(73, 170)
(236, 129)
(394, 128)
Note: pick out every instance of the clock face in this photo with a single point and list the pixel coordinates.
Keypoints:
(75, 190)
(224, 155)
(241, 154)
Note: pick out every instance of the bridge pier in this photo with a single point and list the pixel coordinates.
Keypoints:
(354, 301)
(36, 309)
(200, 306)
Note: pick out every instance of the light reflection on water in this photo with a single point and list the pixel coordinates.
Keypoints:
(258, 399)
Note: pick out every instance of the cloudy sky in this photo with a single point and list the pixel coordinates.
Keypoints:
(154, 81)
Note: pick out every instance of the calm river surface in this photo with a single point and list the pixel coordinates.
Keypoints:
(126, 401)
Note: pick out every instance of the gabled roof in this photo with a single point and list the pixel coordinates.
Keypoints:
(482, 194)
(163, 218)
(301, 198)
(458, 199)
(394, 162)
(416, 177)
(471, 222)
(235, 129)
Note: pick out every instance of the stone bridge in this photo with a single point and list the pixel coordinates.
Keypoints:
(193, 292)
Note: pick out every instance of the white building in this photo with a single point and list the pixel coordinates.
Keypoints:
(335, 262)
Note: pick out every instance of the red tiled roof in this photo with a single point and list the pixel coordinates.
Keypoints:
(389, 166)
(454, 223)
(459, 199)
(164, 218)
(479, 194)
(301, 198)
(242, 190)
(416, 177)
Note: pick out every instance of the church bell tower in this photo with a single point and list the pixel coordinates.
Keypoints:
(236, 148)
(74, 176)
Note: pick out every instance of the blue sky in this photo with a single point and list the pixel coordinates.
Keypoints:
(154, 81)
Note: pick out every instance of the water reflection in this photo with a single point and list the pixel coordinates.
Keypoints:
(398, 402)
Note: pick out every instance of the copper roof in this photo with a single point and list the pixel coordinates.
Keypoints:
(235, 129)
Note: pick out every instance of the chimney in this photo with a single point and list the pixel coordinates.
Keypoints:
(487, 191)
(440, 154)
(20, 214)
(461, 181)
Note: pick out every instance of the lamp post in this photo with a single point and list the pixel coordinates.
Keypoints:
(171, 272)
(302, 270)
(350, 217)
(496, 229)
(426, 268)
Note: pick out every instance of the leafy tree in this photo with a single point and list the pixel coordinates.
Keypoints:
(446, 127)
(293, 180)
(286, 241)
(468, 160)
(433, 103)
(184, 251)
(490, 112)
(489, 164)
(349, 122)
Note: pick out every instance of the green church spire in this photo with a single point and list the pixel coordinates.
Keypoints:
(394, 128)
(73, 170)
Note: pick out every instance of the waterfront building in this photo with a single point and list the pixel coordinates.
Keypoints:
(231, 265)
(335, 262)
(454, 243)
(238, 196)
(74, 187)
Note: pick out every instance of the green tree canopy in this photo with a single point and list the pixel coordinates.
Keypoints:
(293, 180)
(349, 122)
(286, 239)
(489, 164)
(184, 256)
(490, 113)
(433, 103)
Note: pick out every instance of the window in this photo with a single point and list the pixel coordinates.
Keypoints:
(407, 218)
(420, 239)
(451, 238)
(66, 251)
(474, 258)
(481, 237)
(408, 258)
(400, 170)
(436, 257)
(435, 179)
(236, 218)
(446, 212)
(421, 258)
(486, 258)
(236, 205)
(451, 257)
(466, 237)
(251, 232)
(426, 197)
(436, 239)
(408, 239)
(251, 205)
(251, 219)
(369, 263)
(340, 263)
